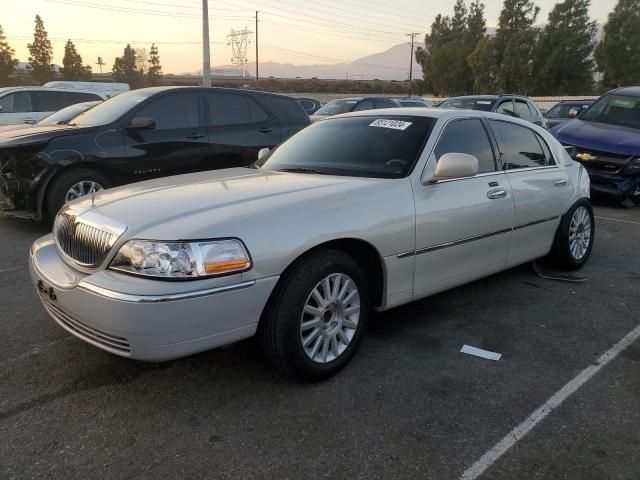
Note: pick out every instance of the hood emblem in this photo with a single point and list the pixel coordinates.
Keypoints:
(587, 157)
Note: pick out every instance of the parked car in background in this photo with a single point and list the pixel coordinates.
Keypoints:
(31, 104)
(362, 211)
(345, 105)
(109, 89)
(414, 102)
(61, 117)
(310, 105)
(511, 105)
(606, 140)
(566, 110)
(137, 135)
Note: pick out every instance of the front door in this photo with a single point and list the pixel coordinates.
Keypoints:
(463, 226)
(540, 188)
(177, 144)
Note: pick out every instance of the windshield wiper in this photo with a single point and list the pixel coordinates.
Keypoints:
(302, 170)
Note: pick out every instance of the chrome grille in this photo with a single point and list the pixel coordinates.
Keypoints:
(85, 244)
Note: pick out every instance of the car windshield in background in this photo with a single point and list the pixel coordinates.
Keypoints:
(66, 114)
(469, 104)
(336, 107)
(110, 110)
(372, 146)
(615, 110)
(562, 110)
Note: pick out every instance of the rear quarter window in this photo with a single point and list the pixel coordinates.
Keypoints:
(286, 109)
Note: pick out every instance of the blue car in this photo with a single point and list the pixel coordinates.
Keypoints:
(606, 140)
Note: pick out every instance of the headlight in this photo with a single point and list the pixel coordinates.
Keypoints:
(182, 260)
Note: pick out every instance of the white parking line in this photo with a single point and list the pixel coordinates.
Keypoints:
(515, 435)
(617, 220)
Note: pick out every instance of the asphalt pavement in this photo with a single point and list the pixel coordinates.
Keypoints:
(410, 405)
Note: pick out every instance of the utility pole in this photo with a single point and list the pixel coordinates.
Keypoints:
(257, 69)
(101, 63)
(413, 36)
(206, 55)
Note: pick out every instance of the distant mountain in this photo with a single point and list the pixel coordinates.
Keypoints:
(392, 64)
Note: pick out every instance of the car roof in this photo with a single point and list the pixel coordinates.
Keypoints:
(630, 91)
(154, 90)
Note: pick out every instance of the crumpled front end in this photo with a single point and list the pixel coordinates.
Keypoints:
(21, 172)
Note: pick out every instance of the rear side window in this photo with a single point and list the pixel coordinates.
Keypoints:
(53, 101)
(79, 97)
(506, 108)
(232, 109)
(19, 102)
(286, 109)
(470, 137)
(172, 112)
(383, 104)
(520, 146)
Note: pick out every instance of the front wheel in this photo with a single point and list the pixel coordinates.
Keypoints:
(315, 320)
(73, 184)
(574, 238)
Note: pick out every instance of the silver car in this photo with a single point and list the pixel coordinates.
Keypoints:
(363, 211)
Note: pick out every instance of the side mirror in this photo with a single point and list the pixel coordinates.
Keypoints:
(141, 123)
(263, 152)
(574, 112)
(453, 165)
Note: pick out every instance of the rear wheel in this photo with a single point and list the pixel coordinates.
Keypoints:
(73, 184)
(574, 238)
(316, 318)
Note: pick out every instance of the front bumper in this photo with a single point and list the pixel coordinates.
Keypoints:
(157, 327)
(615, 185)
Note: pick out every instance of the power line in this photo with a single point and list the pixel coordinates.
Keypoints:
(112, 41)
(328, 33)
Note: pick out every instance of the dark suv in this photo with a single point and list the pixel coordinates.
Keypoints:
(137, 135)
(511, 105)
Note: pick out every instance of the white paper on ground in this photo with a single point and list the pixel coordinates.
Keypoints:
(478, 352)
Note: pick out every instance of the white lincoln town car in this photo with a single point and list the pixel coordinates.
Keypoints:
(368, 210)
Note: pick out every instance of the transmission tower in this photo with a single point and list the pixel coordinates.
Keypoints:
(240, 41)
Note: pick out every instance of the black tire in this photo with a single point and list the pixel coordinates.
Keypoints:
(561, 255)
(60, 185)
(279, 330)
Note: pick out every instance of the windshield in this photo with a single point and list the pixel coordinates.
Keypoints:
(562, 110)
(111, 110)
(66, 114)
(370, 146)
(335, 107)
(469, 103)
(615, 110)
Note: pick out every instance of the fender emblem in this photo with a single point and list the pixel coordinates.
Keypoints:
(587, 157)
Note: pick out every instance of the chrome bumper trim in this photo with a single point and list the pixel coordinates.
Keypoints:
(126, 297)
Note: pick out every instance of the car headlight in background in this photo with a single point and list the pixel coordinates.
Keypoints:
(182, 260)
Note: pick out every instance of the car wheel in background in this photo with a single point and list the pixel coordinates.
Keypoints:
(315, 319)
(574, 238)
(73, 184)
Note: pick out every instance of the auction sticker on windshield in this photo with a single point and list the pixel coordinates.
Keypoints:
(394, 124)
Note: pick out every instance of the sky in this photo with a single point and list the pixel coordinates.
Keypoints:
(290, 31)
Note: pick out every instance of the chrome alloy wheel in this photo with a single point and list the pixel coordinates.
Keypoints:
(580, 233)
(330, 318)
(82, 188)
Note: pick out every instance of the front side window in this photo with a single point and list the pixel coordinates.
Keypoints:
(506, 108)
(615, 110)
(172, 112)
(367, 146)
(470, 137)
(364, 105)
(520, 146)
(111, 110)
(19, 102)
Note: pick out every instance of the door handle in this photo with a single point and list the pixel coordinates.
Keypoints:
(559, 182)
(194, 136)
(497, 193)
(30, 121)
(265, 130)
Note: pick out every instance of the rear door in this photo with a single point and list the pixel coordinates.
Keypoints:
(238, 127)
(463, 226)
(540, 189)
(177, 144)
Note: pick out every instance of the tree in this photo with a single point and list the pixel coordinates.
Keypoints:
(142, 59)
(618, 54)
(484, 66)
(154, 71)
(73, 69)
(7, 62)
(564, 60)
(125, 70)
(515, 45)
(40, 52)
(444, 59)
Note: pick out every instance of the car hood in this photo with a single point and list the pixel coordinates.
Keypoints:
(37, 134)
(193, 204)
(599, 136)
